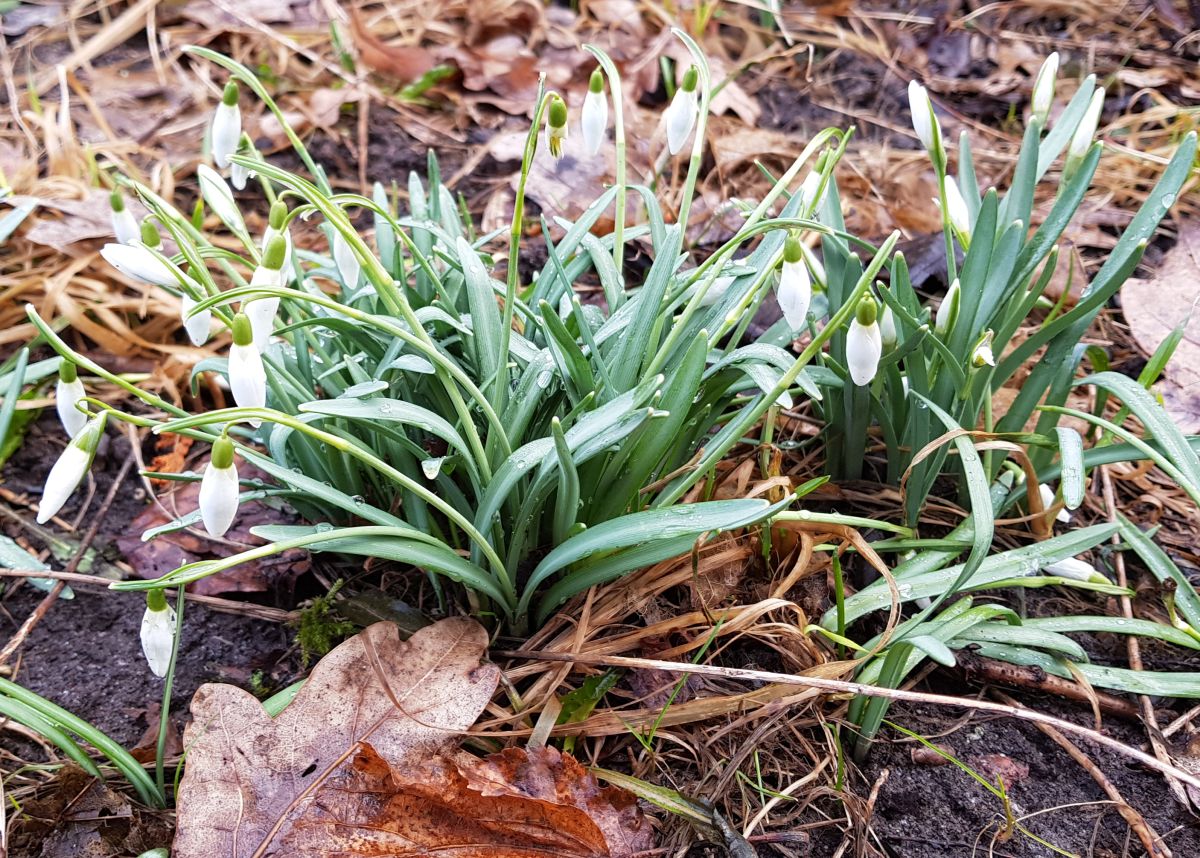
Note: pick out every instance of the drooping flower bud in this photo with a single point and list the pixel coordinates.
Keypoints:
(346, 261)
(247, 378)
(981, 355)
(68, 391)
(947, 311)
(1076, 570)
(1043, 88)
(925, 123)
(124, 224)
(593, 118)
(1048, 497)
(158, 632)
(864, 343)
(197, 325)
(70, 469)
(269, 274)
(219, 198)
(957, 212)
(238, 174)
(135, 260)
(887, 328)
(795, 285)
(808, 193)
(556, 125)
(681, 114)
(226, 126)
(219, 489)
(1081, 140)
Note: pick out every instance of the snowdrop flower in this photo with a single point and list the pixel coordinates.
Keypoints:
(238, 174)
(925, 123)
(593, 118)
(347, 263)
(957, 212)
(795, 285)
(277, 225)
(981, 355)
(219, 198)
(1076, 570)
(1081, 140)
(864, 343)
(68, 472)
(556, 125)
(247, 378)
(261, 311)
(124, 224)
(226, 126)
(158, 632)
(947, 311)
(808, 192)
(219, 489)
(887, 328)
(137, 261)
(197, 325)
(1048, 498)
(67, 392)
(681, 114)
(1043, 88)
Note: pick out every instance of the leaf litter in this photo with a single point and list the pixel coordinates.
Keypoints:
(366, 761)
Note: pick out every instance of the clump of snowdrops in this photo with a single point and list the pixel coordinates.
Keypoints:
(508, 439)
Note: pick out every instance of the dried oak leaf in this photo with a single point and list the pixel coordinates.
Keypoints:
(1155, 306)
(250, 778)
(516, 804)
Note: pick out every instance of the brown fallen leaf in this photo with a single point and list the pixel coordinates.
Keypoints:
(250, 777)
(402, 62)
(362, 763)
(516, 804)
(1155, 306)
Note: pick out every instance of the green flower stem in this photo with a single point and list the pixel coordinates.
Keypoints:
(511, 283)
(618, 102)
(164, 713)
(704, 86)
(228, 415)
(847, 520)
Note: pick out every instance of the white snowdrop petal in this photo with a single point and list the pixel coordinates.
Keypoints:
(922, 114)
(197, 326)
(864, 348)
(795, 294)
(138, 262)
(219, 198)
(247, 379)
(346, 261)
(218, 499)
(66, 394)
(226, 131)
(158, 639)
(681, 118)
(125, 227)
(66, 475)
(956, 208)
(1073, 568)
(593, 121)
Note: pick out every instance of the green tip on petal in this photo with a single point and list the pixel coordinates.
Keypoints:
(156, 601)
(67, 371)
(116, 201)
(243, 332)
(690, 78)
(230, 96)
(89, 436)
(558, 113)
(276, 251)
(866, 311)
(596, 84)
(279, 213)
(792, 251)
(222, 452)
(150, 236)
